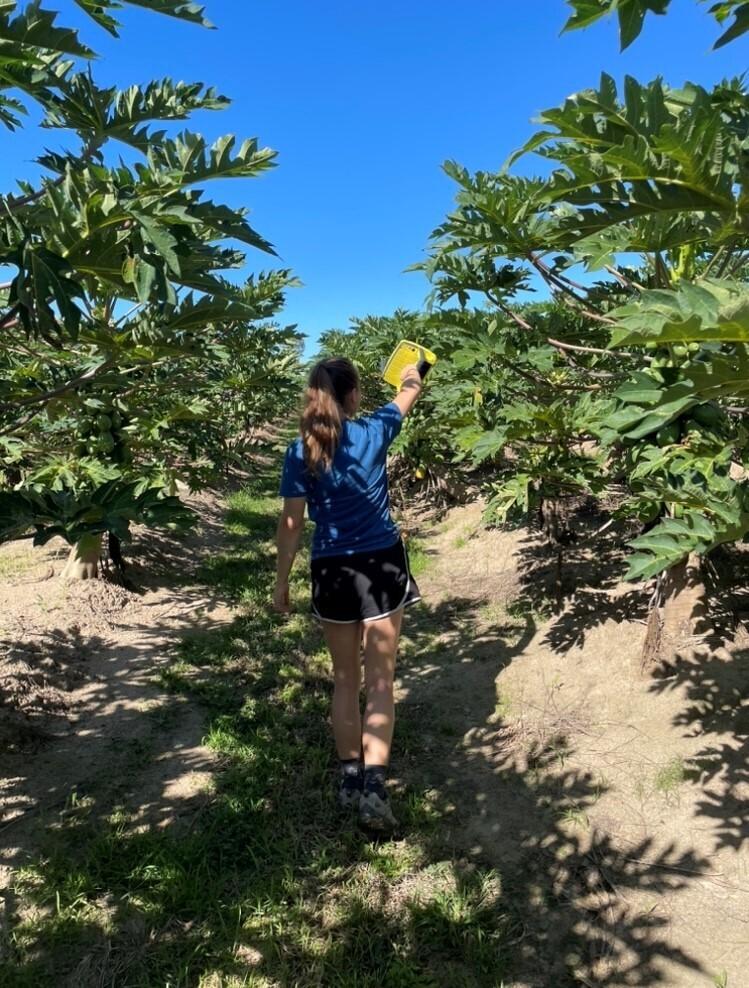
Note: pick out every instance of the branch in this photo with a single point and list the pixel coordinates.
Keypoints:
(13, 204)
(508, 311)
(622, 279)
(537, 379)
(741, 258)
(718, 253)
(591, 372)
(84, 378)
(536, 259)
(10, 319)
(556, 282)
(588, 349)
(729, 254)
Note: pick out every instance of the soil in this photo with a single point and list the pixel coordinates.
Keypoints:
(611, 800)
(81, 710)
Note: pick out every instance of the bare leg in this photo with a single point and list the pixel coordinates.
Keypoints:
(343, 641)
(380, 647)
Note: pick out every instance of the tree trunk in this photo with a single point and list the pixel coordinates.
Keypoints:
(83, 561)
(554, 521)
(678, 610)
(685, 600)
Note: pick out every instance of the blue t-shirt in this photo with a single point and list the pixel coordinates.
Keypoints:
(349, 503)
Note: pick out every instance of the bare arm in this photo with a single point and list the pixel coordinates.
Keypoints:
(411, 387)
(290, 526)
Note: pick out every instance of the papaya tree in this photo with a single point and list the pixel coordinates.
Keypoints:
(125, 343)
(646, 199)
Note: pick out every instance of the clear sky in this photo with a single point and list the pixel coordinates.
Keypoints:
(364, 100)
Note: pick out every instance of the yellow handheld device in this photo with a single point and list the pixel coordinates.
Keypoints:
(404, 354)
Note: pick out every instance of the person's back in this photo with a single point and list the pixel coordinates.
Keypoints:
(349, 501)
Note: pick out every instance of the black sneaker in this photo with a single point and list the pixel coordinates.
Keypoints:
(374, 809)
(349, 791)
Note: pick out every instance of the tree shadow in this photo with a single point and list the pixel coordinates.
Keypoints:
(716, 685)
(510, 804)
(38, 671)
(589, 580)
(495, 873)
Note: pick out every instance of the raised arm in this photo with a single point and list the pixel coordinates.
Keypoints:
(411, 387)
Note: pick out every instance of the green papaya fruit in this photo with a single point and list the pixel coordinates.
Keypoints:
(669, 434)
(707, 414)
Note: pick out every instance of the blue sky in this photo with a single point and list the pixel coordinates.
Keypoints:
(364, 101)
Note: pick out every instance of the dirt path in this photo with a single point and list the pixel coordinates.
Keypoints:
(611, 805)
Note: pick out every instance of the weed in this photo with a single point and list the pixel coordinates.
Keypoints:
(525, 611)
(669, 777)
(418, 558)
(575, 816)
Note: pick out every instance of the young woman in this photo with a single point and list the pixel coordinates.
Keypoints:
(360, 576)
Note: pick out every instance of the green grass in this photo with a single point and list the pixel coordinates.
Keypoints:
(418, 557)
(670, 776)
(16, 564)
(266, 885)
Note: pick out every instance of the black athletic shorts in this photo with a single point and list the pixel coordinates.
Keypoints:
(363, 586)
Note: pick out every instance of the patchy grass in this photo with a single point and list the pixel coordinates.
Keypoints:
(418, 557)
(669, 777)
(15, 564)
(504, 705)
(522, 610)
(265, 885)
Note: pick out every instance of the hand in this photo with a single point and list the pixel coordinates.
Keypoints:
(281, 603)
(411, 375)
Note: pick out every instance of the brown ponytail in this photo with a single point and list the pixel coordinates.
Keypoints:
(330, 384)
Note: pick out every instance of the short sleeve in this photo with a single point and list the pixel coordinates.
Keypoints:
(387, 420)
(292, 477)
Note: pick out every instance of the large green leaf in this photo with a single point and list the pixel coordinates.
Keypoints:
(44, 291)
(740, 11)
(34, 27)
(646, 406)
(709, 311)
(652, 154)
(102, 11)
(671, 541)
(674, 539)
(631, 15)
(110, 113)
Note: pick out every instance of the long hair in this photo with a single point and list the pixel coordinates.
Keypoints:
(329, 386)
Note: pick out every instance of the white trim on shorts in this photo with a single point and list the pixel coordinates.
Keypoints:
(377, 617)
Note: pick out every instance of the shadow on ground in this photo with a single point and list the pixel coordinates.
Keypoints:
(491, 880)
(716, 684)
